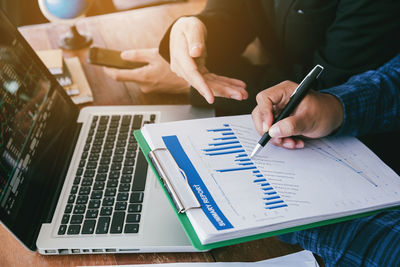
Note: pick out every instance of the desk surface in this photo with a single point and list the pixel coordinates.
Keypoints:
(141, 28)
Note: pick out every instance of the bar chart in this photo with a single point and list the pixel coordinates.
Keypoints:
(225, 148)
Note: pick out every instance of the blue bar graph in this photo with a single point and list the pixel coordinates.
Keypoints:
(237, 169)
(225, 153)
(227, 145)
(275, 207)
(224, 143)
(225, 138)
(267, 188)
(271, 198)
(220, 130)
(241, 160)
(273, 202)
(246, 163)
(220, 148)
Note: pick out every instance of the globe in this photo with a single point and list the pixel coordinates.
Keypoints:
(68, 11)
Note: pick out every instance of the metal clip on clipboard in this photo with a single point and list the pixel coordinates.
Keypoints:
(174, 180)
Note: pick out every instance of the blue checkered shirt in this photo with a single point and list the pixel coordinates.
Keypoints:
(371, 104)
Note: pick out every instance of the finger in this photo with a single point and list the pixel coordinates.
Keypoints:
(293, 125)
(194, 78)
(223, 89)
(258, 120)
(195, 38)
(136, 55)
(233, 81)
(138, 74)
(227, 91)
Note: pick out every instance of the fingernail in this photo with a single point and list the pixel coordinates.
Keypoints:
(287, 145)
(264, 127)
(236, 97)
(193, 50)
(299, 145)
(123, 54)
(274, 131)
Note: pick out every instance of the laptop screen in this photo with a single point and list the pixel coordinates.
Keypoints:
(36, 119)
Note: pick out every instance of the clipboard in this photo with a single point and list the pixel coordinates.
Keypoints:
(174, 198)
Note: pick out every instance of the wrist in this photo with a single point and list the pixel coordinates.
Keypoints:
(336, 112)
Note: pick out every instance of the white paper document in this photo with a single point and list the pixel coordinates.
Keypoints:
(303, 258)
(277, 189)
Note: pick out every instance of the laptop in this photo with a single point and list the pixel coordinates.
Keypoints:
(74, 181)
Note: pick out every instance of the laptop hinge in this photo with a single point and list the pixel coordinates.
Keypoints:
(63, 173)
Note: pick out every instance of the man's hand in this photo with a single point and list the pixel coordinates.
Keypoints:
(317, 115)
(188, 57)
(154, 77)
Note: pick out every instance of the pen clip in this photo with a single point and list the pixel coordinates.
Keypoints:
(317, 67)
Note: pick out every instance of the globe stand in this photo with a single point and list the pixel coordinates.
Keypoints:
(73, 40)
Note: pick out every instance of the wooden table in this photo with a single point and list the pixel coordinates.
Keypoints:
(141, 28)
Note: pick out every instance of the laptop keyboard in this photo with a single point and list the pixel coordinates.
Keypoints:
(107, 193)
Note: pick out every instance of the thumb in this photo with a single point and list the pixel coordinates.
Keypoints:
(196, 41)
(286, 128)
(134, 55)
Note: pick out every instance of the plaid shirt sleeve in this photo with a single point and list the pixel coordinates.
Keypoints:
(371, 103)
(369, 241)
(371, 100)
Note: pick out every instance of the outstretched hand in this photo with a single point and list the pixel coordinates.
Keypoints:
(154, 77)
(188, 57)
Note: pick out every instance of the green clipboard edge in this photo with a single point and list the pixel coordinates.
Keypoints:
(189, 230)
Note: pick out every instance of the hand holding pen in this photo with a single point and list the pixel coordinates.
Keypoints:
(318, 114)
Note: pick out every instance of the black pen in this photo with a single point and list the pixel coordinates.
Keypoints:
(306, 84)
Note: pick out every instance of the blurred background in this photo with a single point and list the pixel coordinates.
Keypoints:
(27, 12)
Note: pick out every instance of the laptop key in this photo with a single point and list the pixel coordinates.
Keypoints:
(106, 211)
(79, 171)
(74, 229)
(139, 179)
(71, 199)
(94, 204)
(62, 229)
(74, 189)
(101, 177)
(98, 185)
(135, 208)
(117, 222)
(85, 190)
(137, 121)
(79, 209)
(124, 187)
(120, 205)
(68, 208)
(65, 219)
(92, 214)
(76, 219)
(96, 194)
(83, 199)
(131, 228)
(134, 217)
(122, 197)
(102, 225)
(88, 227)
(136, 197)
(108, 201)
(110, 192)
